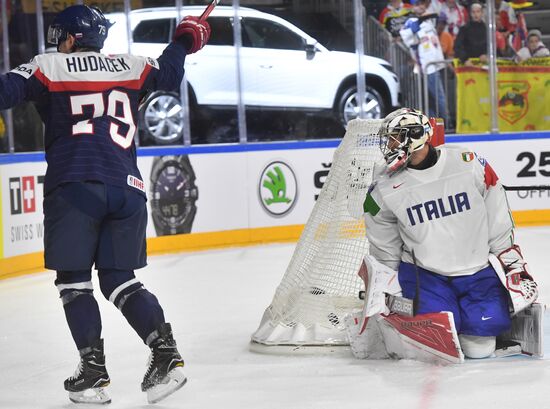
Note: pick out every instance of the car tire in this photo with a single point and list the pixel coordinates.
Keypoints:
(162, 118)
(347, 107)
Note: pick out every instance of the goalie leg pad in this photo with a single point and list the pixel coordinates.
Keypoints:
(477, 347)
(426, 337)
(379, 280)
(364, 336)
(527, 329)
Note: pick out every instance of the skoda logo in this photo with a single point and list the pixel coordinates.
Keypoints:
(278, 189)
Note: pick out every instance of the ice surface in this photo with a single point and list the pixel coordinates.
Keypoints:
(214, 300)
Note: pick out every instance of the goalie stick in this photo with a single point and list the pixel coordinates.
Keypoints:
(517, 188)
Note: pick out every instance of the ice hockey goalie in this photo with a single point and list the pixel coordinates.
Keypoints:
(441, 246)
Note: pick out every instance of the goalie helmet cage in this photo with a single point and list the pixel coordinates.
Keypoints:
(321, 285)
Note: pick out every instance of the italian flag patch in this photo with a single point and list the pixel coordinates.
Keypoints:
(370, 205)
(468, 156)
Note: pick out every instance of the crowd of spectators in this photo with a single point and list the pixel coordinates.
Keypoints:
(420, 35)
(462, 29)
(437, 30)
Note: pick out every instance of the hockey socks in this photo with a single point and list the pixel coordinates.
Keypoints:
(140, 307)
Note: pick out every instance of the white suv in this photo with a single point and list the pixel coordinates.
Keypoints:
(281, 67)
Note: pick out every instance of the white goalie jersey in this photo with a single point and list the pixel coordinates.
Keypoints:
(453, 215)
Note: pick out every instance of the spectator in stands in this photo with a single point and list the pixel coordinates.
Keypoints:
(535, 47)
(519, 36)
(508, 19)
(445, 38)
(471, 41)
(420, 35)
(456, 14)
(432, 6)
(374, 7)
(394, 16)
(504, 50)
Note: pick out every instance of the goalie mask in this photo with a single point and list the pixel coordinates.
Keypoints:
(87, 24)
(403, 132)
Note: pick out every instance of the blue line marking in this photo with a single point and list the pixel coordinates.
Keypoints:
(230, 148)
(8, 158)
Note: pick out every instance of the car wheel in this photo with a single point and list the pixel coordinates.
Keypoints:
(162, 118)
(348, 105)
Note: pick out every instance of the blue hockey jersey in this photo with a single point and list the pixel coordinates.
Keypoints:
(89, 105)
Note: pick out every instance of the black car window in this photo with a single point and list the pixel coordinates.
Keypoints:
(222, 31)
(258, 33)
(153, 31)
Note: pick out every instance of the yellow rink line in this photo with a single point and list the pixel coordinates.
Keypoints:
(34, 262)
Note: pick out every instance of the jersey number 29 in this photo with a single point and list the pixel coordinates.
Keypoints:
(96, 101)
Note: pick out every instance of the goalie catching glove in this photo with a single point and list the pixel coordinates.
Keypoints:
(512, 270)
(193, 33)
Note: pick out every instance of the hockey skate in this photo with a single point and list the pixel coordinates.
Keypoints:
(164, 375)
(90, 378)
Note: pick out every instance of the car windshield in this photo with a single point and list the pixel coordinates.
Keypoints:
(258, 33)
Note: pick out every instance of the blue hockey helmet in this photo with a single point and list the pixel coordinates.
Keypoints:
(87, 24)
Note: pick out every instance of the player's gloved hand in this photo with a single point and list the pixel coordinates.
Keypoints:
(413, 24)
(193, 33)
(519, 283)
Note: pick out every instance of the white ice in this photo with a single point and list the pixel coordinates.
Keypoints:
(214, 300)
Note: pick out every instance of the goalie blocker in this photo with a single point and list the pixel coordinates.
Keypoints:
(386, 327)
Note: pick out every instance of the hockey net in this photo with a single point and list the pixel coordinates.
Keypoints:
(321, 284)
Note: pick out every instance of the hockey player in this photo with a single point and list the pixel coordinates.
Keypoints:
(94, 204)
(438, 219)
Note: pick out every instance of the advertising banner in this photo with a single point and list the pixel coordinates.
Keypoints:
(195, 193)
(519, 163)
(236, 191)
(523, 97)
(283, 185)
(22, 218)
(230, 191)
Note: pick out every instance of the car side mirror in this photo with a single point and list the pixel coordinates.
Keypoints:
(310, 51)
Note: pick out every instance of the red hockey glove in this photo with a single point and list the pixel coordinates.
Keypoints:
(194, 33)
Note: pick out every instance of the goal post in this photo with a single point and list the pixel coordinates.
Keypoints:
(321, 284)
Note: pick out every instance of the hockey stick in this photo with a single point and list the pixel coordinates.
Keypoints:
(416, 299)
(209, 10)
(202, 17)
(518, 188)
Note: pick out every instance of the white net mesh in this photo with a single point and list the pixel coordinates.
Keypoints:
(321, 284)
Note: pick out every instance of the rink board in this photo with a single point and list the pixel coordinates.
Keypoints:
(233, 203)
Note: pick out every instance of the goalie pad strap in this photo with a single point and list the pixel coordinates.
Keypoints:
(400, 305)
